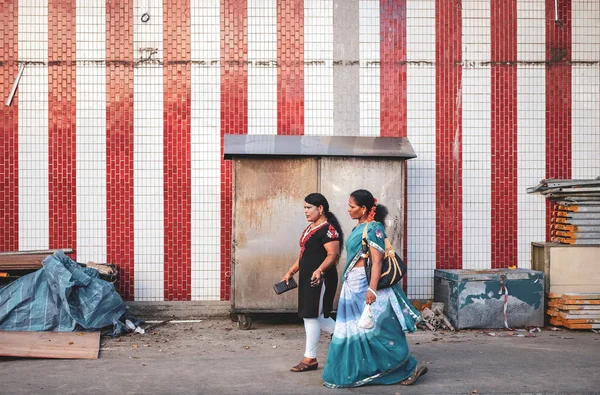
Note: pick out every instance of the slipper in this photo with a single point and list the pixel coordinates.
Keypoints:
(420, 371)
(304, 367)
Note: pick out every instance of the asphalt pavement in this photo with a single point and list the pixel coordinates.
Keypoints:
(215, 357)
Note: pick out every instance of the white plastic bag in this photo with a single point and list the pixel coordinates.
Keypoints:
(366, 318)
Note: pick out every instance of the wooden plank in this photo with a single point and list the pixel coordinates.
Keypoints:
(582, 312)
(21, 262)
(571, 325)
(582, 326)
(578, 302)
(26, 260)
(585, 319)
(573, 307)
(63, 345)
(579, 296)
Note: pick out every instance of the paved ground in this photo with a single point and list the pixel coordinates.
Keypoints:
(213, 356)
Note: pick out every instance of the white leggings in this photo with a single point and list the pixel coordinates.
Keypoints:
(313, 326)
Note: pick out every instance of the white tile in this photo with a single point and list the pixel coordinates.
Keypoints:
(33, 127)
(531, 146)
(206, 149)
(148, 179)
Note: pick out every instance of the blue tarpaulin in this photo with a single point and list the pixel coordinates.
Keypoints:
(61, 296)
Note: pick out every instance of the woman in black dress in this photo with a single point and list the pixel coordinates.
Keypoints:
(320, 246)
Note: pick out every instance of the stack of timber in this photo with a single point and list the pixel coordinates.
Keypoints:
(576, 210)
(15, 264)
(575, 310)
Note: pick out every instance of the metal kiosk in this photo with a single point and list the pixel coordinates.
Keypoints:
(271, 176)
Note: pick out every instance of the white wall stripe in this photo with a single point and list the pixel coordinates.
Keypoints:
(476, 112)
(91, 130)
(33, 126)
(318, 69)
(206, 151)
(421, 242)
(585, 94)
(369, 36)
(531, 124)
(262, 68)
(148, 180)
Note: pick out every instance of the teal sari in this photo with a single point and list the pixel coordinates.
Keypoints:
(378, 355)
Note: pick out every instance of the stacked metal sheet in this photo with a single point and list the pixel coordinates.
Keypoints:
(576, 210)
(575, 310)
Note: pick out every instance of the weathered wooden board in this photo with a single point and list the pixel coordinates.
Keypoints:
(63, 345)
(21, 262)
(572, 307)
(580, 319)
(581, 296)
(574, 302)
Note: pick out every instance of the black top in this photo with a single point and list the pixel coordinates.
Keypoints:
(312, 254)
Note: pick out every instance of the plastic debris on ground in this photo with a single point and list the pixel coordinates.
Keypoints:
(515, 333)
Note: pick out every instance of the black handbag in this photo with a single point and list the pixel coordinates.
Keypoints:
(392, 266)
(282, 287)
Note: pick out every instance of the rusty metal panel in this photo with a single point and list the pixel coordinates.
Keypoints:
(384, 178)
(268, 218)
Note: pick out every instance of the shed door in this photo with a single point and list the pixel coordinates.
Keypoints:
(383, 177)
(268, 218)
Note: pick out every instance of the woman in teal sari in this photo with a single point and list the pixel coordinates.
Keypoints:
(378, 355)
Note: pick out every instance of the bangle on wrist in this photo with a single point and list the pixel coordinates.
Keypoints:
(372, 291)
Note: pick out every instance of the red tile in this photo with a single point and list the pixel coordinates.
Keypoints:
(504, 207)
(448, 135)
(558, 96)
(61, 125)
(290, 73)
(119, 144)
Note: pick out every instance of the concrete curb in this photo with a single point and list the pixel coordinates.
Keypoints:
(179, 310)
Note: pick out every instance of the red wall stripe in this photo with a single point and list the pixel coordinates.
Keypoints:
(177, 150)
(393, 67)
(290, 70)
(119, 143)
(234, 113)
(9, 127)
(61, 124)
(392, 48)
(504, 132)
(448, 53)
(558, 95)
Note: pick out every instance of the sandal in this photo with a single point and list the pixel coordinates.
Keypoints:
(415, 376)
(304, 367)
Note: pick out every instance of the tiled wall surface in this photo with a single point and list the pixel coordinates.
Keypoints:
(113, 143)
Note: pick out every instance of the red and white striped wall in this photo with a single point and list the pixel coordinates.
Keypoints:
(112, 145)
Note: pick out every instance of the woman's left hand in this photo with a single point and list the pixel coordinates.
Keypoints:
(315, 279)
(370, 298)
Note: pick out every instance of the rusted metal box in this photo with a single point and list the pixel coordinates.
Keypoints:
(476, 298)
(271, 177)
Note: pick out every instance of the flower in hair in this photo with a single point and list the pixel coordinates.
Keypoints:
(371, 216)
